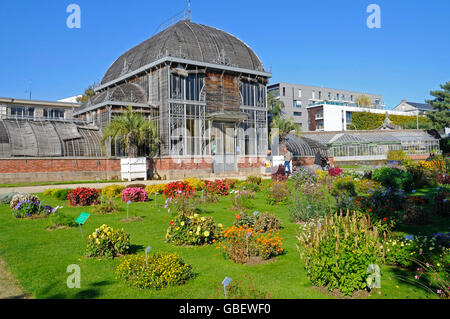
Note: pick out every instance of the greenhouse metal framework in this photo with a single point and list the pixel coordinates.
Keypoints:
(376, 144)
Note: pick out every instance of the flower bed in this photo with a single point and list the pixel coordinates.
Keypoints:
(107, 242)
(219, 187)
(83, 197)
(159, 271)
(134, 195)
(191, 229)
(179, 189)
(241, 243)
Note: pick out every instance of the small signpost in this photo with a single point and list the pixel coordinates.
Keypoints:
(128, 206)
(203, 191)
(225, 284)
(255, 214)
(81, 220)
(146, 254)
(101, 199)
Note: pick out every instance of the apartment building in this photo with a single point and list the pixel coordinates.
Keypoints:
(297, 98)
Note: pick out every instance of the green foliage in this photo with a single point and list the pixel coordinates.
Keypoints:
(191, 229)
(398, 155)
(391, 177)
(278, 193)
(441, 106)
(262, 222)
(113, 191)
(61, 194)
(16, 199)
(338, 252)
(242, 290)
(132, 129)
(58, 219)
(372, 121)
(107, 242)
(343, 186)
(109, 206)
(364, 100)
(310, 203)
(159, 271)
(242, 199)
(254, 180)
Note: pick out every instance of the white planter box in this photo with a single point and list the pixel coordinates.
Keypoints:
(133, 168)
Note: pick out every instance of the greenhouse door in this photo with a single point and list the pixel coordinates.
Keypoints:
(224, 147)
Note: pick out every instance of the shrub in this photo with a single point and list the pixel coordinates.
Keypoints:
(196, 183)
(241, 243)
(278, 193)
(412, 252)
(437, 165)
(107, 242)
(83, 197)
(107, 207)
(16, 199)
(343, 185)
(421, 176)
(261, 223)
(321, 175)
(134, 195)
(191, 229)
(231, 182)
(29, 209)
(396, 155)
(51, 192)
(365, 186)
(241, 199)
(246, 289)
(61, 194)
(442, 202)
(415, 215)
(302, 177)
(310, 203)
(177, 189)
(156, 188)
(249, 186)
(58, 219)
(159, 271)
(254, 180)
(266, 223)
(335, 171)
(381, 204)
(6, 198)
(280, 174)
(113, 191)
(219, 187)
(391, 177)
(338, 252)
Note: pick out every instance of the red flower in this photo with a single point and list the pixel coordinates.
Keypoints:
(238, 217)
(370, 209)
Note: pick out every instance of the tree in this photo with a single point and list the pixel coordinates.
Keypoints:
(285, 127)
(275, 106)
(133, 130)
(441, 106)
(88, 93)
(364, 101)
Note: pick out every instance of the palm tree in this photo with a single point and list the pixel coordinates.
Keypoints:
(285, 127)
(132, 129)
(364, 101)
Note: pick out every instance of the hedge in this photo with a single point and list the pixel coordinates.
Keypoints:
(372, 121)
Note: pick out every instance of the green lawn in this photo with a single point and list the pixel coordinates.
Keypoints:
(39, 258)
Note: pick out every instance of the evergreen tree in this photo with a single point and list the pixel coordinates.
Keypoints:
(441, 106)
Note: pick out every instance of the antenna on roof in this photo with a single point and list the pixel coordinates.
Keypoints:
(189, 11)
(29, 88)
(183, 15)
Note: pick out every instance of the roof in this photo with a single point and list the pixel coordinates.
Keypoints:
(28, 138)
(421, 106)
(10, 100)
(190, 41)
(367, 137)
(303, 146)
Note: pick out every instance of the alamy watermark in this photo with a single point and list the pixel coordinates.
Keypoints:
(74, 19)
(374, 19)
(74, 279)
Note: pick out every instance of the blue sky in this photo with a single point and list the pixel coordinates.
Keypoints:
(322, 42)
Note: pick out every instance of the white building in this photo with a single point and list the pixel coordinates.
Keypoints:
(331, 116)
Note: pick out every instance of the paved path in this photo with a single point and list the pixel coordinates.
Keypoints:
(41, 189)
(9, 287)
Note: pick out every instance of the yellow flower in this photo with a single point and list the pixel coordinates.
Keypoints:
(206, 233)
(182, 223)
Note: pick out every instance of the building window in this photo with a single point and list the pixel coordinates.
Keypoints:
(299, 93)
(351, 98)
(284, 91)
(320, 95)
(319, 115)
(53, 114)
(337, 96)
(313, 94)
(253, 94)
(297, 103)
(348, 116)
(329, 96)
(297, 113)
(23, 112)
